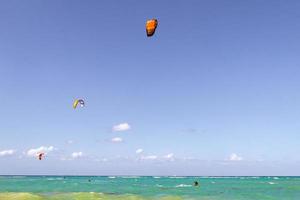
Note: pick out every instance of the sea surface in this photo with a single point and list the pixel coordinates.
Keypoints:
(146, 188)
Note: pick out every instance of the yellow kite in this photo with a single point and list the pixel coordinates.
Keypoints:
(78, 101)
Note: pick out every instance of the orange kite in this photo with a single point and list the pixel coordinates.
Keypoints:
(151, 26)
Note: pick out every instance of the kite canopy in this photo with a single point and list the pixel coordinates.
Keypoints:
(78, 101)
(41, 155)
(151, 27)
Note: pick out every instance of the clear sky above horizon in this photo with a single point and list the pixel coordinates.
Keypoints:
(214, 92)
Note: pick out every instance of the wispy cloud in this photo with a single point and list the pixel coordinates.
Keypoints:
(169, 156)
(100, 159)
(75, 155)
(150, 157)
(121, 127)
(116, 140)
(42, 149)
(235, 157)
(7, 152)
(139, 151)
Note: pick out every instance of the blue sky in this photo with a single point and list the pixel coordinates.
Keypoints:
(214, 92)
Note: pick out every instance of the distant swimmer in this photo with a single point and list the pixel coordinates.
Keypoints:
(196, 183)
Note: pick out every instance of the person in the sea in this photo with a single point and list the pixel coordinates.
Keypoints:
(196, 183)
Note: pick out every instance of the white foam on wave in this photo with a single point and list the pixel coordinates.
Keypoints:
(271, 183)
(176, 177)
(111, 177)
(249, 177)
(156, 176)
(220, 177)
(130, 177)
(18, 176)
(183, 185)
(54, 179)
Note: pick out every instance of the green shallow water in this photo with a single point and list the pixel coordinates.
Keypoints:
(146, 188)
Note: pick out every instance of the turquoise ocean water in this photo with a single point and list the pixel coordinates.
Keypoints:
(165, 188)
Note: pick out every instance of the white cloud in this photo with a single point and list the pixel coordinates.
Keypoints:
(42, 149)
(235, 157)
(151, 157)
(189, 158)
(169, 156)
(70, 141)
(117, 139)
(77, 154)
(139, 151)
(101, 159)
(121, 127)
(8, 152)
